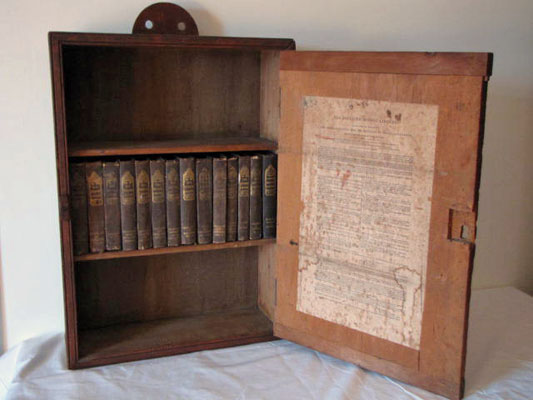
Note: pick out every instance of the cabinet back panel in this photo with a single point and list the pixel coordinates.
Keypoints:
(162, 93)
(167, 286)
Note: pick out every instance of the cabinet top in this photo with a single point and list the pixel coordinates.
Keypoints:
(168, 40)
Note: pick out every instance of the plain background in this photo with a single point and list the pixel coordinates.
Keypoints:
(30, 271)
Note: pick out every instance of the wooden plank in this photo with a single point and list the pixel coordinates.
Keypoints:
(439, 365)
(166, 40)
(136, 341)
(269, 128)
(464, 64)
(133, 148)
(108, 255)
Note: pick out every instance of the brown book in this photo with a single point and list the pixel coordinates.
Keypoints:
(78, 208)
(172, 188)
(256, 197)
(270, 188)
(243, 200)
(143, 197)
(220, 167)
(188, 200)
(232, 196)
(112, 205)
(204, 199)
(128, 206)
(95, 208)
(159, 213)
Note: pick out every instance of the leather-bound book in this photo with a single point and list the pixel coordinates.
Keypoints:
(95, 208)
(187, 200)
(159, 213)
(112, 205)
(220, 182)
(128, 207)
(172, 188)
(270, 189)
(232, 196)
(78, 208)
(144, 199)
(256, 197)
(204, 199)
(243, 200)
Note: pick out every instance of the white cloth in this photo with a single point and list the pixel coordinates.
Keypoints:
(499, 366)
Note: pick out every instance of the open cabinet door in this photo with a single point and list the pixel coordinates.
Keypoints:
(378, 173)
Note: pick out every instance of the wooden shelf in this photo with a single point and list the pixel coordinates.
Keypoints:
(170, 250)
(146, 147)
(140, 340)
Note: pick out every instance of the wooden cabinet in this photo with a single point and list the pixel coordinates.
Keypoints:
(168, 91)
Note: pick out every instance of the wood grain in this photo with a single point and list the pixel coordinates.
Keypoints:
(185, 146)
(439, 365)
(151, 92)
(136, 341)
(418, 63)
(172, 250)
(178, 285)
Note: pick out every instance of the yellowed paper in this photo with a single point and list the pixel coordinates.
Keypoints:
(367, 182)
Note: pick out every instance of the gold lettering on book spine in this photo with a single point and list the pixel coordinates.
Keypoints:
(232, 179)
(158, 187)
(111, 185)
(127, 184)
(244, 182)
(203, 184)
(255, 187)
(173, 185)
(96, 195)
(188, 185)
(270, 181)
(143, 188)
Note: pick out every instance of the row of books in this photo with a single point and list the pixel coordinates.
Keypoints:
(142, 204)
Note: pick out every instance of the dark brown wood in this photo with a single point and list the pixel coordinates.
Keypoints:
(152, 94)
(185, 146)
(173, 41)
(170, 250)
(111, 292)
(165, 18)
(439, 364)
(137, 341)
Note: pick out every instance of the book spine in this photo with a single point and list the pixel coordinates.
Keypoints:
(112, 205)
(78, 206)
(187, 200)
(256, 197)
(270, 188)
(172, 188)
(232, 197)
(143, 196)
(219, 199)
(204, 199)
(158, 211)
(243, 203)
(95, 208)
(128, 214)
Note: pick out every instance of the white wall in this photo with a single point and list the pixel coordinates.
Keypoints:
(29, 235)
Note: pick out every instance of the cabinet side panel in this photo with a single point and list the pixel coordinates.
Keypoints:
(269, 129)
(69, 293)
